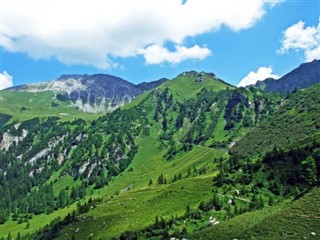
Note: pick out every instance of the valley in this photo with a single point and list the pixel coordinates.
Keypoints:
(193, 157)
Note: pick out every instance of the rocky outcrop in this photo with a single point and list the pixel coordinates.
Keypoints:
(96, 93)
(8, 139)
(199, 77)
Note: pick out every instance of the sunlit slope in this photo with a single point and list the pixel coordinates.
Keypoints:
(22, 106)
(188, 84)
(298, 219)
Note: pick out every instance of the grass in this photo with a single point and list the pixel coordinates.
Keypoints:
(23, 106)
(294, 220)
(62, 183)
(136, 101)
(38, 221)
(235, 227)
(149, 164)
(128, 201)
(298, 116)
(137, 209)
(183, 87)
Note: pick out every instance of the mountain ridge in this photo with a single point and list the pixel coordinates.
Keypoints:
(97, 93)
(173, 147)
(303, 76)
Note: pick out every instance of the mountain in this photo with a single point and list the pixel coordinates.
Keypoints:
(71, 96)
(145, 86)
(304, 76)
(96, 93)
(298, 115)
(194, 158)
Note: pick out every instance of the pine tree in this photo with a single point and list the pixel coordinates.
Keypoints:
(188, 209)
(184, 231)
(310, 170)
(9, 237)
(271, 200)
(236, 210)
(28, 225)
(150, 182)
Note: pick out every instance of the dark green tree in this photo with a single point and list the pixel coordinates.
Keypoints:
(310, 170)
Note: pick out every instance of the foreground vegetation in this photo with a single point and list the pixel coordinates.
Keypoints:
(169, 164)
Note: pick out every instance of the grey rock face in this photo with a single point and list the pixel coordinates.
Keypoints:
(304, 76)
(96, 93)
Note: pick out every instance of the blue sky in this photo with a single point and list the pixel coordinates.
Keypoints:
(143, 41)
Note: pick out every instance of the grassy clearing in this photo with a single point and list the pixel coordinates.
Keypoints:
(62, 183)
(23, 106)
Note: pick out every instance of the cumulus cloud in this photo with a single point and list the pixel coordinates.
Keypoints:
(95, 31)
(156, 54)
(6, 80)
(261, 74)
(301, 38)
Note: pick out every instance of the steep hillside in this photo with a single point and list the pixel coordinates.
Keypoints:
(306, 75)
(298, 219)
(70, 97)
(169, 163)
(293, 125)
(188, 84)
(89, 93)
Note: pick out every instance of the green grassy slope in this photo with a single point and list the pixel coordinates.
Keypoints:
(150, 161)
(298, 219)
(170, 199)
(130, 203)
(185, 86)
(35, 223)
(296, 123)
(210, 122)
(23, 106)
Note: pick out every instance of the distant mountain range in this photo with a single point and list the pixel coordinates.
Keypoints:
(193, 158)
(73, 96)
(304, 76)
(96, 93)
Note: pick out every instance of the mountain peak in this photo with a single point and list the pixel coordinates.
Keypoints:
(96, 93)
(71, 76)
(193, 73)
(303, 76)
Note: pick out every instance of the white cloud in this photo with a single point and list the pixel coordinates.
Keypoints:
(156, 54)
(261, 74)
(6, 80)
(94, 31)
(301, 38)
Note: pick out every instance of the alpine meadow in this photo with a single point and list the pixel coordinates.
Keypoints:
(177, 152)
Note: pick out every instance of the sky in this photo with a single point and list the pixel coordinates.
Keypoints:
(241, 41)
